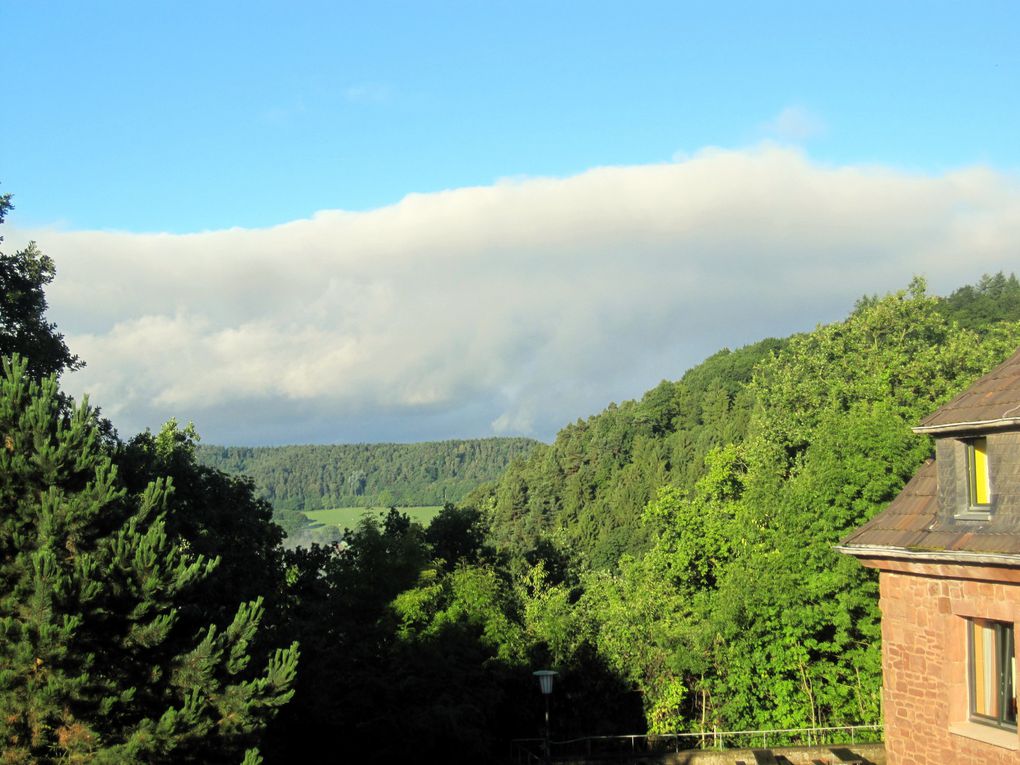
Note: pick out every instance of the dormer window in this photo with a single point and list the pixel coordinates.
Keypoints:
(977, 472)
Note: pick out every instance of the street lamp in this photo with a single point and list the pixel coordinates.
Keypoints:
(545, 682)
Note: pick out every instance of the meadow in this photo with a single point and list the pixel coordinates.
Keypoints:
(348, 517)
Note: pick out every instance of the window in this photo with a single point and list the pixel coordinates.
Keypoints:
(992, 673)
(977, 472)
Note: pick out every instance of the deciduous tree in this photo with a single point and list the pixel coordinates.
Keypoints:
(24, 328)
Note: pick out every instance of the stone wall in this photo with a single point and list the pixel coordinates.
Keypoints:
(924, 658)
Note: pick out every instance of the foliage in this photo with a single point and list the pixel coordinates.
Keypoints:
(337, 606)
(588, 489)
(457, 535)
(218, 514)
(98, 663)
(994, 298)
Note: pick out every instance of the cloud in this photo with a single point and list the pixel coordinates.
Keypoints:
(795, 124)
(509, 308)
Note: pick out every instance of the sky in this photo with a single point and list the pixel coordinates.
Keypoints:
(337, 222)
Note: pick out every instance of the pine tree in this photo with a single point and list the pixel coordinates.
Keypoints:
(95, 663)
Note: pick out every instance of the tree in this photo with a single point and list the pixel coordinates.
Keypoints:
(23, 325)
(457, 534)
(95, 663)
(339, 609)
(218, 514)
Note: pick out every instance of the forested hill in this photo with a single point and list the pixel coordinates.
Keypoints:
(589, 487)
(368, 475)
(585, 493)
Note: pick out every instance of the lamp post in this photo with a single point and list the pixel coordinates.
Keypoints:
(545, 682)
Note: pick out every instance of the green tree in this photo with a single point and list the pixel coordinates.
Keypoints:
(23, 325)
(795, 624)
(338, 606)
(996, 297)
(218, 514)
(457, 534)
(96, 664)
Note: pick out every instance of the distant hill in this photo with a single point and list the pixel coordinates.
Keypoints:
(368, 475)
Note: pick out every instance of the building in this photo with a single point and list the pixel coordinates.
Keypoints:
(948, 554)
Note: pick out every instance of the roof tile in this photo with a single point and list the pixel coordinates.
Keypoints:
(912, 522)
(996, 396)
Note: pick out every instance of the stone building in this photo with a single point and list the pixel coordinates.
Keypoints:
(948, 554)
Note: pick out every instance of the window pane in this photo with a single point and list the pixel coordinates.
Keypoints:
(986, 676)
(980, 447)
(1009, 678)
(992, 672)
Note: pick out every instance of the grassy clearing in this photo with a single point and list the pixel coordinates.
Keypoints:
(348, 517)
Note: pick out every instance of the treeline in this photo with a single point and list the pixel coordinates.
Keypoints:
(733, 613)
(368, 475)
(149, 613)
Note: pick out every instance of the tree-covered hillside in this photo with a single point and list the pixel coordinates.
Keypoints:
(367, 475)
(729, 608)
(585, 493)
(748, 616)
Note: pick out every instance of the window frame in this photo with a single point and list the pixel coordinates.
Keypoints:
(1004, 654)
(978, 475)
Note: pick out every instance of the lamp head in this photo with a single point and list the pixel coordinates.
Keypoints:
(545, 680)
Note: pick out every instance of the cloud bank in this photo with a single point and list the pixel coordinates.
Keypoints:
(510, 308)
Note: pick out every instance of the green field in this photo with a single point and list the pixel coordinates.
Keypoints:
(348, 517)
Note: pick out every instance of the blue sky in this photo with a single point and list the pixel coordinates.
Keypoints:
(185, 116)
(396, 221)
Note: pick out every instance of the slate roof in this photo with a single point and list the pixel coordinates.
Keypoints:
(912, 523)
(991, 402)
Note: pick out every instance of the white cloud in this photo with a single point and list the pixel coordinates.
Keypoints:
(515, 307)
(795, 124)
